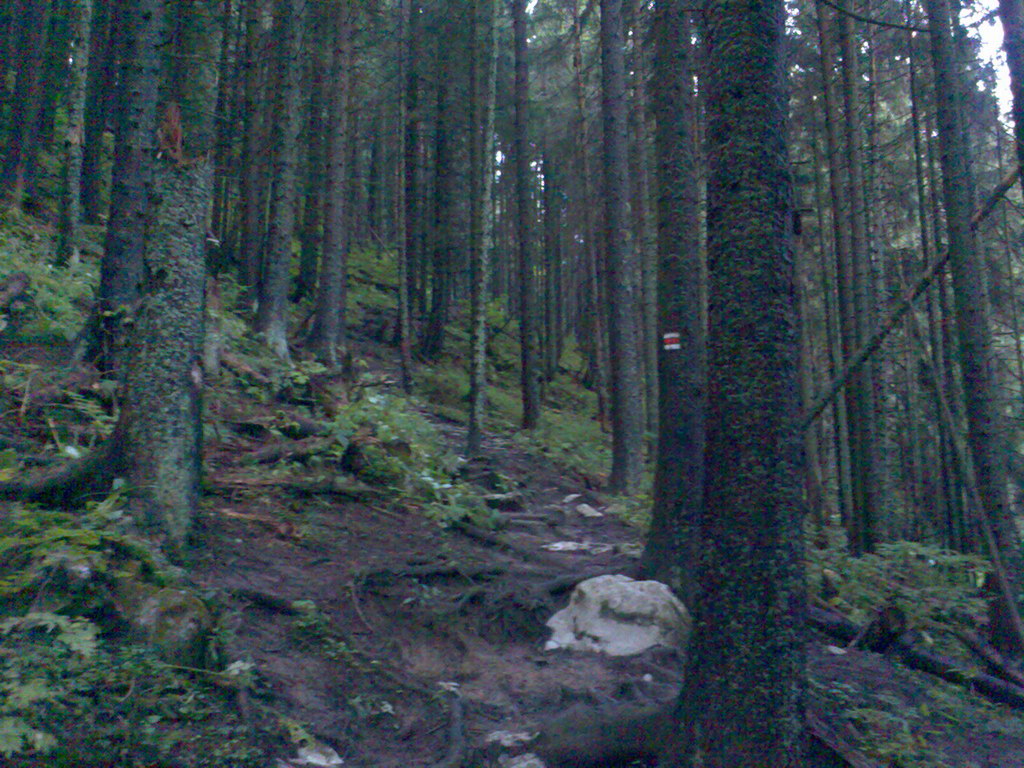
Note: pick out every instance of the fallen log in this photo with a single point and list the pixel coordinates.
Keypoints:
(951, 671)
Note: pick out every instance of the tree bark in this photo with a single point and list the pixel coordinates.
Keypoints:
(121, 270)
(272, 317)
(742, 700)
(626, 386)
(672, 552)
(163, 383)
(328, 330)
(986, 427)
(485, 67)
(529, 380)
(105, 47)
(69, 227)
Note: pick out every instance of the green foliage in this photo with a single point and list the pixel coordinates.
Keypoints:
(58, 295)
(372, 283)
(70, 696)
(932, 586)
(570, 440)
(37, 545)
(401, 449)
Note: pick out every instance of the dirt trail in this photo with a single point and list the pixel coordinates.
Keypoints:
(403, 605)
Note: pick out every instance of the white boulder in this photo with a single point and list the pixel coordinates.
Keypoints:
(620, 616)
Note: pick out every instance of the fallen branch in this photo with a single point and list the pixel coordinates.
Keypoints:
(338, 486)
(244, 369)
(583, 738)
(991, 658)
(428, 571)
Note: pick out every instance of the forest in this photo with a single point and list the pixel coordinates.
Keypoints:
(356, 355)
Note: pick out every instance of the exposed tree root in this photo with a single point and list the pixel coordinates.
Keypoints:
(456, 756)
(70, 484)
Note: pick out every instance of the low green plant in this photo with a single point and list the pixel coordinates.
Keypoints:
(933, 586)
(57, 295)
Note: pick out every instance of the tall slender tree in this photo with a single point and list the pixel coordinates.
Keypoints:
(328, 328)
(986, 425)
(672, 552)
(272, 317)
(484, 71)
(529, 363)
(69, 229)
(626, 385)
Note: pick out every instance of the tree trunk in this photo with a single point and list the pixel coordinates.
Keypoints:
(105, 46)
(672, 553)
(163, 384)
(743, 699)
(69, 226)
(252, 182)
(626, 386)
(402, 216)
(327, 330)
(857, 284)
(529, 383)
(27, 102)
(986, 429)
(272, 318)
(485, 60)
(121, 271)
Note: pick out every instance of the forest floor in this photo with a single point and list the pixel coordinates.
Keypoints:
(409, 605)
(360, 611)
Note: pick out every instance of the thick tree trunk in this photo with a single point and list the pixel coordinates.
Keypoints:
(743, 699)
(121, 271)
(163, 383)
(626, 385)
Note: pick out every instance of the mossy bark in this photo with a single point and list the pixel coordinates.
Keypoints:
(163, 380)
(743, 699)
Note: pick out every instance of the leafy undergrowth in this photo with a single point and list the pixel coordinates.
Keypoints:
(357, 570)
